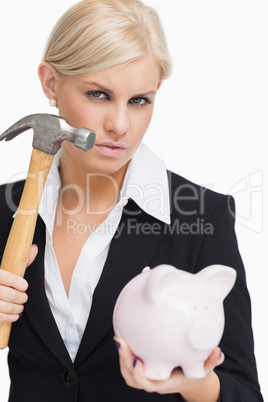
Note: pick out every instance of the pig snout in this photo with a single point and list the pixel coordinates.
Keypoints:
(205, 333)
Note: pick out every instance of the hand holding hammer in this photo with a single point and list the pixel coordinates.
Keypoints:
(49, 132)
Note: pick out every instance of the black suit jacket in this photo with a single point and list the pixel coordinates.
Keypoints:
(201, 233)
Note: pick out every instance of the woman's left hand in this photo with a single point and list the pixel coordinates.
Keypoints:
(132, 370)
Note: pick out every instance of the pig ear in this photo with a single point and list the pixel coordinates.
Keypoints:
(146, 269)
(160, 281)
(219, 277)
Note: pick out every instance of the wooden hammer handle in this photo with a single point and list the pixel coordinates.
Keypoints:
(20, 238)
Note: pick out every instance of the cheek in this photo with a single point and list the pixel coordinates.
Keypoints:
(71, 107)
(71, 111)
(81, 114)
(142, 122)
(139, 128)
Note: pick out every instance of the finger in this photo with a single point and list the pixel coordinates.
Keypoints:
(15, 281)
(138, 376)
(126, 357)
(10, 295)
(9, 317)
(11, 308)
(127, 362)
(33, 254)
(12, 280)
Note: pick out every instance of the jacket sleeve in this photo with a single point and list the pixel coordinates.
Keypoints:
(238, 373)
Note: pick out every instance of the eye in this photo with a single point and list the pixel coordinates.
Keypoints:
(97, 95)
(141, 101)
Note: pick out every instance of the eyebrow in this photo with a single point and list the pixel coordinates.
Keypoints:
(112, 92)
(99, 87)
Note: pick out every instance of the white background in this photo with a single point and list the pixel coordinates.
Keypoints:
(210, 120)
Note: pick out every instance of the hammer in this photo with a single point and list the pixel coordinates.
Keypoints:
(49, 132)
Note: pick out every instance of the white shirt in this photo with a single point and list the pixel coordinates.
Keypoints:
(146, 183)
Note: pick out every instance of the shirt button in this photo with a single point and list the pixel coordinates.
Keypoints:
(68, 379)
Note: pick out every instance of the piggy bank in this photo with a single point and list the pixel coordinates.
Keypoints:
(172, 318)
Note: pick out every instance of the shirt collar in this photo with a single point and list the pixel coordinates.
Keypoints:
(145, 182)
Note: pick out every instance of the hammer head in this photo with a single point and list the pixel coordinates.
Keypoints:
(50, 131)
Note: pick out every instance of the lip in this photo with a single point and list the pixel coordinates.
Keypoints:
(111, 149)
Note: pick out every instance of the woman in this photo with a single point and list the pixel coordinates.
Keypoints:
(107, 214)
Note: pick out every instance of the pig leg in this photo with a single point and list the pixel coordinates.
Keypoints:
(157, 372)
(194, 370)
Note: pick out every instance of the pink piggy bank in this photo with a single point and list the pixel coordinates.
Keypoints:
(172, 318)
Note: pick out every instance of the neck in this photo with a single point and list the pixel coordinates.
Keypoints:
(92, 192)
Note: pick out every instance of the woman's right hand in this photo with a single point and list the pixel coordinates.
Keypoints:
(13, 292)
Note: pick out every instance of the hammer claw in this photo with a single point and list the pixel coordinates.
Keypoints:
(19, 127)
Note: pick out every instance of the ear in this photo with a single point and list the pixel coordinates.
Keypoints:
(159, 85)
(162, 280)
(219, 277)
(48, 76)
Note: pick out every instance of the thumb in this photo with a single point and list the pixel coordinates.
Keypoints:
(33, 254)
(215, 359)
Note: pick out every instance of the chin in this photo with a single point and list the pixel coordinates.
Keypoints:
(111, 169)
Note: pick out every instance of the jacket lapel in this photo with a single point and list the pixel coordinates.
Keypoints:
(37, 308)
(131, 250)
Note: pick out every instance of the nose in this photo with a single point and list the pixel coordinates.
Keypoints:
(117, 119)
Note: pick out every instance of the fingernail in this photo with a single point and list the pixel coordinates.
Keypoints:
(117, 344)
(135, 363)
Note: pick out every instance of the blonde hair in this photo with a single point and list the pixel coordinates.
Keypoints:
(96, 34)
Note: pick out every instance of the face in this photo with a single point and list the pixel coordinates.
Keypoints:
(117, 103)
